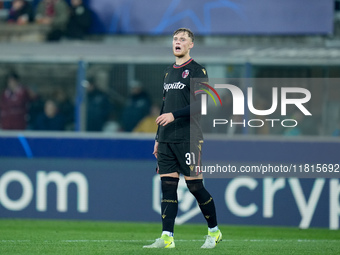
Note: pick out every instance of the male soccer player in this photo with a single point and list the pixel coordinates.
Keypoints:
(175, 156)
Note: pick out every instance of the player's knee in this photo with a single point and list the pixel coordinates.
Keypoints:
(169, 185)
(195, 186)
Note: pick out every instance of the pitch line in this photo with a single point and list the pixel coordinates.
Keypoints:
(177, 240)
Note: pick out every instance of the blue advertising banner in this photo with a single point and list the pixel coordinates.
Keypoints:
(57, 178)
(112, 190)
(207, 17)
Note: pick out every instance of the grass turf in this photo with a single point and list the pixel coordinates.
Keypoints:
(89, 237)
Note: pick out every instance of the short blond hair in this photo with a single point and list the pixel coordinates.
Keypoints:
(185, 30)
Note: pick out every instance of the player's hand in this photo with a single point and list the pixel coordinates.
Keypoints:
(155, 149)
(165, 119)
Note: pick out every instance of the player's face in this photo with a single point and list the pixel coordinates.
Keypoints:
(181, 44)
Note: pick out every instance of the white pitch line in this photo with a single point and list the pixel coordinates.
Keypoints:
(177, 240)
(15, 241)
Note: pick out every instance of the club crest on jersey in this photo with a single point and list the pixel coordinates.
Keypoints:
(185, 74)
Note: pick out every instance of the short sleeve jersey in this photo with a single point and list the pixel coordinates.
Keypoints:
(179, 87)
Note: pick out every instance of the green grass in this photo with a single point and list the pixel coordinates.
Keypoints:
(92, 237)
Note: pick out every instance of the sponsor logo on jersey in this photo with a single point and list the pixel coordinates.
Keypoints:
(175, 85)
(185, 74)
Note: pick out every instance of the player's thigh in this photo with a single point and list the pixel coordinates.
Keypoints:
(173, 175)
(195, 176)
(166, 159)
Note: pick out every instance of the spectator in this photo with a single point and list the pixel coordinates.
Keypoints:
(14, 104)
(336, 131)
(136, 108)
(79, 21)
(65, 106)
(148, 124)
(35, 108)
(306, 125)
(295, 131)
(98, 107)
(54, 13)
(50, 119)
(21, 12)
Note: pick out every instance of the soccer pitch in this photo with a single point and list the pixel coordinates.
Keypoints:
(96, 237)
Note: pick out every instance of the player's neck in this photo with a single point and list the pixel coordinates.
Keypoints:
(182, 60)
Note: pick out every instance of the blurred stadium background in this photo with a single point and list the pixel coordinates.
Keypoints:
(107, 174)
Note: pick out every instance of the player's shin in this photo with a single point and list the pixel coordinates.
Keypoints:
(169, 203)
(205, 201)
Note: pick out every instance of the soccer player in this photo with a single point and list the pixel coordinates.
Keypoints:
(175, 156)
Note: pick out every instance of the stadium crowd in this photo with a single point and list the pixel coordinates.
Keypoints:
(24, 108)
(65, 20)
